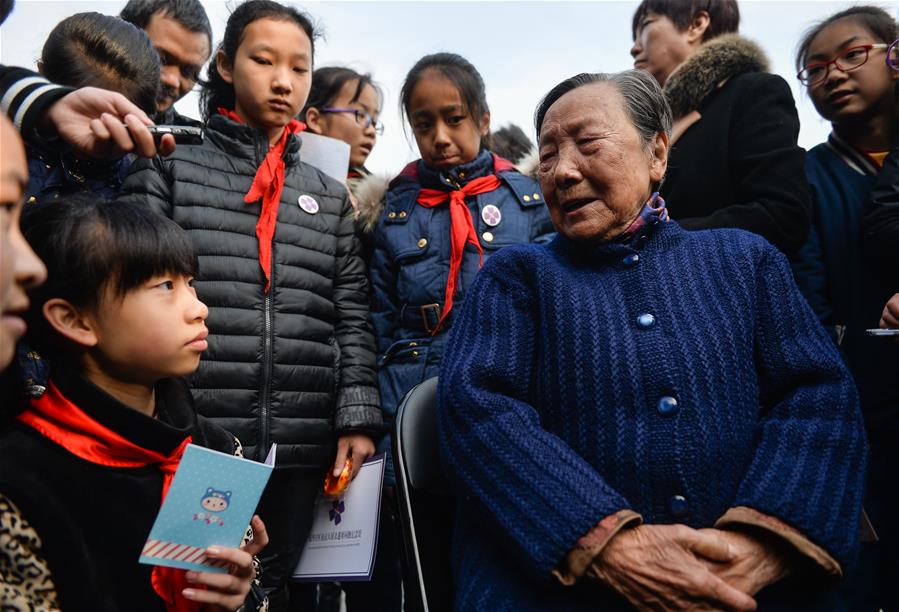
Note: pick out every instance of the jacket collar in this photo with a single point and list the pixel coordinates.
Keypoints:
(851, 156)
(715, 62)
(175, 420)
(656, 236)
(247, 142)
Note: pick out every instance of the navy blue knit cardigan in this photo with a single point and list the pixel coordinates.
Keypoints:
(678, 376)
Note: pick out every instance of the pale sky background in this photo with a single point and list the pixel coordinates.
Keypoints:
(521, 49)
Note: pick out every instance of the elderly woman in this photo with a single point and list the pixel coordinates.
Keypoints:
(637, 415)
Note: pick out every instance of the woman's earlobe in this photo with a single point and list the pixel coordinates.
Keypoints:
(69, 322)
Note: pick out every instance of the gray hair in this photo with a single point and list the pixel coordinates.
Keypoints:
(643, 99)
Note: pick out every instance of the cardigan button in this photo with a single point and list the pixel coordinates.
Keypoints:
(678, 506)
(667, 406)
(402, 215)
(645, 321)
(487, 236)
(391, 215)
(631, 260)
(422, 243)
(526, 198)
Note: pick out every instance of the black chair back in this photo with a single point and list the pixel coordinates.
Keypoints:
(426, 506)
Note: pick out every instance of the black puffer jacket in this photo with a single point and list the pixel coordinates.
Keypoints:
(293, 365)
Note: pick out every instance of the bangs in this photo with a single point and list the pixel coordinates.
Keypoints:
(90, 246)
(141, 244)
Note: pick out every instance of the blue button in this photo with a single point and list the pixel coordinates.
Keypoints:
(645, 321)
(679, 506)
(667, 405)
(631, 260)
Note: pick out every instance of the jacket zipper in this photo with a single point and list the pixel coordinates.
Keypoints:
(265, 399)
(265, 395)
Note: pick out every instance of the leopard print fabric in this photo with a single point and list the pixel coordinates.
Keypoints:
(25, 581)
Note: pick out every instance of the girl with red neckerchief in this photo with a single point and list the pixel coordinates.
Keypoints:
(88, 463)
(845, 63)
(291, 352)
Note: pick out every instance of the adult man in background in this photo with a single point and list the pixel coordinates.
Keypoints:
(181, 34)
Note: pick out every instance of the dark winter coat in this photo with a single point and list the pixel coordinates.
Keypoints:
(739, 164)
(880, 227)
(840, 286)
(54, 175)
(297, 363)
(411, 262)
(72, 529)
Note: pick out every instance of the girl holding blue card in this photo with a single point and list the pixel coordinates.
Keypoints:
(95, 453)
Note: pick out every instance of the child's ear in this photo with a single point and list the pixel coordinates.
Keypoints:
(69, 322)
(314, 120)
(484, 125)
(223, 66)
(40, 66)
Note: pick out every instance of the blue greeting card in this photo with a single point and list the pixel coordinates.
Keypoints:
(210, 502)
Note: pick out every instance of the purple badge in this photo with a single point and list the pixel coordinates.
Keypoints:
(308, 204)
(491, 215)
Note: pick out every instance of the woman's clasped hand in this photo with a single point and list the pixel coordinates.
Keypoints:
(674, 567)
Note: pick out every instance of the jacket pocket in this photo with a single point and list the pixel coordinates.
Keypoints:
(401, 367)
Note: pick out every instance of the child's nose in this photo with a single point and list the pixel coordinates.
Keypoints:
(197, 310)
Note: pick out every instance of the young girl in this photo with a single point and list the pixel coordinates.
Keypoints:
(91, 50)
(843, 63)
(443, 215)
(94, 455)
(291, 353)
(345, 104)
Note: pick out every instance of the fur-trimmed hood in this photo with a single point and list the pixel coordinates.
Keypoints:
(721, 58)
(369, 195)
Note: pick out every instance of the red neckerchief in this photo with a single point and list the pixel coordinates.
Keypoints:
(462, 228)
(62, 422)
(268, 184)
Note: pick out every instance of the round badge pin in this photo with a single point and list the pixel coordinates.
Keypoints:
(308, 204)
(491, 215)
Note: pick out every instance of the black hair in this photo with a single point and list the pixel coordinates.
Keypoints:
(511, 142)
(327, 83)
(216, 92)
(458, 71)
(90, 49)
(724, 15)
(6, 9)
(872, 18)
(94, 248)
(189, 13)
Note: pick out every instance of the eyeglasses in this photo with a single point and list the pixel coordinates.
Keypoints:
(363, 119)
(847, 61)
(893, 55)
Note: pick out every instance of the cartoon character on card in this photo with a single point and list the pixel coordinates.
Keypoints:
(213, 501)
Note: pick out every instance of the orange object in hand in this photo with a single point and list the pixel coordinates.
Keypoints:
(336, 485)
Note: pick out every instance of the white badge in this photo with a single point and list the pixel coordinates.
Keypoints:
(491, 215)
(308, 204)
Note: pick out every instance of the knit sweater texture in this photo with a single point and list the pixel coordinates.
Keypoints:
(555, 406)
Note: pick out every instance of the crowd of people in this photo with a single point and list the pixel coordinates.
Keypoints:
(659, 387)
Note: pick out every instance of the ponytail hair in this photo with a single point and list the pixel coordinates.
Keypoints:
(215, 91)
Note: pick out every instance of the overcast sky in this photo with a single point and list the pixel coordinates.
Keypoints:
(521, 49)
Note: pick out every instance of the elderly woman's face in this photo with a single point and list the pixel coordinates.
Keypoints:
(595, 171)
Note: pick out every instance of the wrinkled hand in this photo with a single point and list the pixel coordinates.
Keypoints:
(655, 567)
(890, 316)
(358, 446)
(91, 121)
(223, 592)
(758, 561)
